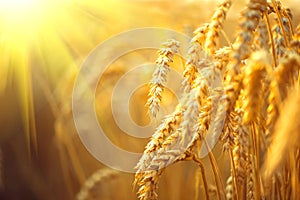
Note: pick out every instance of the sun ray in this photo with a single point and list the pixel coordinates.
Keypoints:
(42, 37)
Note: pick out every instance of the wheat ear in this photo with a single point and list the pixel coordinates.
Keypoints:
(193, 57)
(166, 128)
(96, 178)
(215, 27)
(253, 83)
(159, 76)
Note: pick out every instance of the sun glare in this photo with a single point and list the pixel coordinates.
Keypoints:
(12, 4)
(37, 34)
(18, 10)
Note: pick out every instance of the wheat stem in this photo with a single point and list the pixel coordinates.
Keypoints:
(266, 17)
(202, 170)
(280, 22)
(220, 187)
(238, 191)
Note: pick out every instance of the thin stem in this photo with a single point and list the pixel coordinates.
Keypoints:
(271, 38)
(298, 86)
(220, 188)
(280, 23)
(273, 191)
(202, 170)
(256, 157)
(290, 22)
(234, 178)
(278, 188)
(226, 38)
(294, 175)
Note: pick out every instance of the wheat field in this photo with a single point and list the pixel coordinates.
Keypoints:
(233, 132)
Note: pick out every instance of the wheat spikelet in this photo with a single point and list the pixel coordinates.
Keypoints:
(250, 180)
(274, 100)
(191, 67)
(286, 72)
(149, 185)
(222, 55)
(189, 118)
(229, 188)
(227, 135)
(193, 57)
(159, 77)
(97, 177)
(215, 25)
(261, 39)
(279, 42)
(278, 38)
(200, 35)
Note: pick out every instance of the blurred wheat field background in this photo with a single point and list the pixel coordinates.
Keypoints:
(44, 43)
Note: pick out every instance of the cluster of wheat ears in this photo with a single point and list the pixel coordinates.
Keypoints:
(245, 95)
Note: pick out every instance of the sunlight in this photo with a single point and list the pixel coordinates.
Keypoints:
(17, 11)
(37, 35)
(17, 4)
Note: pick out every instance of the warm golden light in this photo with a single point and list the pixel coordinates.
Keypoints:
(17, 10)
(40, 30)
(12, 4)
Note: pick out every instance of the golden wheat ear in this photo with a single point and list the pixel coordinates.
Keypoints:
(159, 76)
(215, 27)
(166, 128)
(95, 179)
(193, 57)
(255, 73)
